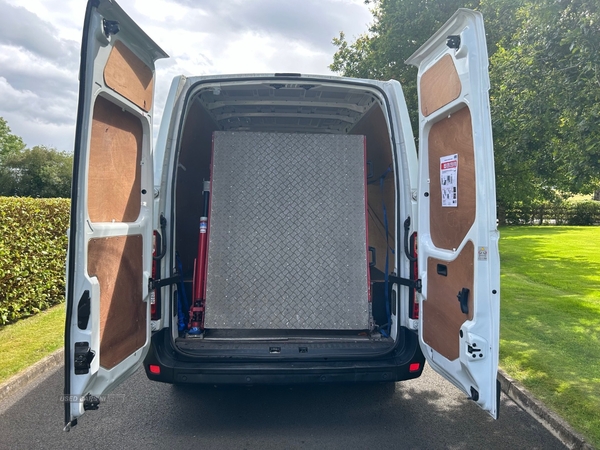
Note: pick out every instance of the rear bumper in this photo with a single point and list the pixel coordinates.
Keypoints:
(394, 366)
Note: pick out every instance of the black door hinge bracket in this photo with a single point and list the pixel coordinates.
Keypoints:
(110, 27)
(91, 403)
(157, 284)
(453, 41)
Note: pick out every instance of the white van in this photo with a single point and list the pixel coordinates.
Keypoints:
(271, 235)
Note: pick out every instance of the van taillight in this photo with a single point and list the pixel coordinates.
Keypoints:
(413, 304)
(155, 293)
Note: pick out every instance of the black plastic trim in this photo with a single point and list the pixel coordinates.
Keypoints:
(392, 367)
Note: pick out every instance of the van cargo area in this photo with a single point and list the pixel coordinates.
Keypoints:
(282, 229)
(302, 195)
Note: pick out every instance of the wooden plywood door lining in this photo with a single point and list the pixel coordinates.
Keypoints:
(452, 135)
(117, 264)
(442, 316)
(128, 75)
(114, 180)
(440, 85)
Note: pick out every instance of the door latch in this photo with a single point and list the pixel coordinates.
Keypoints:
(83, 358)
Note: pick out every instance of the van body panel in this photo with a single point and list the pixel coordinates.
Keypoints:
(459, 263)
(107, 330)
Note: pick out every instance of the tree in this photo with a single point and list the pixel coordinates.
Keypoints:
(37, 172)
(545, 84)
(544, 97)
(400, 27)
(9, 143)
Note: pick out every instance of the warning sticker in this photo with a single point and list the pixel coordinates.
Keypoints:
(482, 254)
(449, 179)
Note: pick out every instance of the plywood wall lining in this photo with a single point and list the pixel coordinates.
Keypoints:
(379, 151)
(117, 263)
(114, 181)
(193, 169)
(128, 75)
(440, 85)
(442, 316)
(449, 225)
(376, 221)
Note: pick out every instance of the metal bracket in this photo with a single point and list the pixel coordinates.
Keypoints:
(157, 284)
(377, 275)
(453, 41)
(413, 284)
(110, 27)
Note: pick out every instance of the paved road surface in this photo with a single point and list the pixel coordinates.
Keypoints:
(427, 413)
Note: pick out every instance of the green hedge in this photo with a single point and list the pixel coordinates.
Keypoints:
(33, 245)
(556, 213)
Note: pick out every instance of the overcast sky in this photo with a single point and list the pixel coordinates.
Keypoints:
(40, 39)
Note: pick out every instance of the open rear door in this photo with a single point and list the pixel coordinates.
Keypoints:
(459, 263)
(107, 327)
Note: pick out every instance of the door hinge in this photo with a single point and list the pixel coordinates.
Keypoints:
(157, 284)
(110, 27)
(453, 41)
(91, 403)
(83, 358)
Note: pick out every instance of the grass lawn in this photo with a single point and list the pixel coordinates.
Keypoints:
(29, 340)
(550, 318)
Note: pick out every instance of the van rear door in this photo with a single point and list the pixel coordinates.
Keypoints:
(107, 327)
(457, 236)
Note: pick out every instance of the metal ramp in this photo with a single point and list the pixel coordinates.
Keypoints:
(287, 234)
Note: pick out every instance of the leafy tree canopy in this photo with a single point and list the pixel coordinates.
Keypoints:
(9, 143)
(545, 83)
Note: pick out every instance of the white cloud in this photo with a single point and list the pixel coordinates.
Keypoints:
(48, 125)
(39, 49)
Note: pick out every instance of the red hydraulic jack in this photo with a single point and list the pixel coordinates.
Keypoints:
(196, 322)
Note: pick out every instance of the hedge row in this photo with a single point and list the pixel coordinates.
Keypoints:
(33, 245)
(559, 213)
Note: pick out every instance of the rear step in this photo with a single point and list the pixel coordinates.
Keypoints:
(290, 347)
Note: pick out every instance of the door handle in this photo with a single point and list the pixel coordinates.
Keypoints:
(463, 298)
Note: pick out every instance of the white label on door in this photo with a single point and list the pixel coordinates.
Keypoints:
(448, 180)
